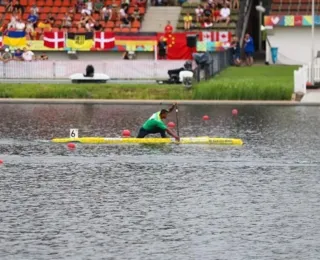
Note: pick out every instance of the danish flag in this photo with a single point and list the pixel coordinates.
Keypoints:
(54, 40)
(104, 40)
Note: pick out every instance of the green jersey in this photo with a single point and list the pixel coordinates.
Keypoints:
(154, 122)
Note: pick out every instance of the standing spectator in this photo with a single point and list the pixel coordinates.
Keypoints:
(20, 25)
(34, 10)
(32, 19)
(27, 55)
(162, 49)
(225, 14)
(106, 13)
(248, 49)
(199, 14)
(235, 45)
(98, 5)
(67, 21)
(187, 21)
(168, 29)
(6, 56)
(18, 8)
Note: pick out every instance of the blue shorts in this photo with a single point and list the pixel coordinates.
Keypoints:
(249, 53)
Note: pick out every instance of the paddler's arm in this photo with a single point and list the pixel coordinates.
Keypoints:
(170, 132)
(172, 107)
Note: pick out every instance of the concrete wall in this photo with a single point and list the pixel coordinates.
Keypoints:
(99, 56)
(294, 45)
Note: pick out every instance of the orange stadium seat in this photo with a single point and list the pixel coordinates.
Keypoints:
(63, 10)
(125, 30)
(2, 9)
(45, 10)
(108, 29)
(134, 30)
(55, 10)
(117, 29)
(135, 24)
(110, 24)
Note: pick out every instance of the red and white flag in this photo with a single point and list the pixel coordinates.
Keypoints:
(104, 40)
(217, 36)
(54, 40)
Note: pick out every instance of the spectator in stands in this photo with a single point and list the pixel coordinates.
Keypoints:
(125, 5)
(235, 4)
(51, 19)
(88, 8)
(32, 19)
(225, 14)
(97, 27)
(13, 21)
(79, 6)
(123, 17)
(136, 13)
(67, 21)
(210, 3)
(215, 14)
(84, 20)
(18, 8)
(6, 56)
(43, 56)
(27, 55)
(235, 45)
(45, 24)
(162, 48)
(207, 23)
(9, 7)
(248, 49)
(187, 21)
(168, 29)
(199, 14)
(98, 5)
(20, 25)
(90, 24)
(160, 2)
(18, 54)
(106, 13)
(34, 10)
(207, 13)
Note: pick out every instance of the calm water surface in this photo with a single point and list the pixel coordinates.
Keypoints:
(259, 201)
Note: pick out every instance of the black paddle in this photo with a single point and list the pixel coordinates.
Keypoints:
(177, 120)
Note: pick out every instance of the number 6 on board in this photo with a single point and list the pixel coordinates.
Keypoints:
(74, 133)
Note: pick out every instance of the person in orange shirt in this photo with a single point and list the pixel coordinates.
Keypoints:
(187, 21)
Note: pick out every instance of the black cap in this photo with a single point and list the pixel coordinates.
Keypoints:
(164, 111)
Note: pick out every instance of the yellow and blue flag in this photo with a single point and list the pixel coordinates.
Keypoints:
(15, 39)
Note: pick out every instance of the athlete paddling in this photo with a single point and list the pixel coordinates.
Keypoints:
(155, 125)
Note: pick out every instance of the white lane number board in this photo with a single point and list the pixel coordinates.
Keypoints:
(74, 133)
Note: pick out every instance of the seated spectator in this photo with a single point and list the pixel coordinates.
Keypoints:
(123, 17)
(88, 8)
(43, 56)
(207, 12)
(89, 25)
(215, 14)
(225, 14)
(199, 14)
(67, 21)
(32, 18)
(207, 23)
(106, 13)
(160, 2)
(18, 8)
(20, 25)
(180, 2)
(125, 5)
(98, 5)
(187, 21)
(83, 20)
(6, 56)
(136, 13)
(27, 55)
(9, 7)
(18, 55)
(210, 3)
(34, 10)
(51, 19)
(97, 27)
(79, 6)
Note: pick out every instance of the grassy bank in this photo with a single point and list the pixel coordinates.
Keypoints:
(249, 83)
(255, 83)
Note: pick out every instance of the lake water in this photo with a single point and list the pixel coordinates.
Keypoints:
(260, 201)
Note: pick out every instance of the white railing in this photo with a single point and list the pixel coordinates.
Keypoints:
(303, 75)
(115, 69)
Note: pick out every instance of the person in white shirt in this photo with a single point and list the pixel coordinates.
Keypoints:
(199, 13)
(34, 10)
(106, 13)
(27, 55)
(88, 9)
(225, 14)
(20, 26)
(13, 21)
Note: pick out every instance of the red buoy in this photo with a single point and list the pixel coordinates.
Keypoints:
(71, 146)
(126, 133)
(171, 124)
(205, 117)
(1, 162)
(234, 112)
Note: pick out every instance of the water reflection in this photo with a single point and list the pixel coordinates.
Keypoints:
(159, 202)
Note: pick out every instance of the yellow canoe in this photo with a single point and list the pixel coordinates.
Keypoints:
(183, 140)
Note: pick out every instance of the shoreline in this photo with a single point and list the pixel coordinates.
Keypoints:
(152, 102)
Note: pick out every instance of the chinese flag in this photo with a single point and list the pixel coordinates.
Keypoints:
(177, 48)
